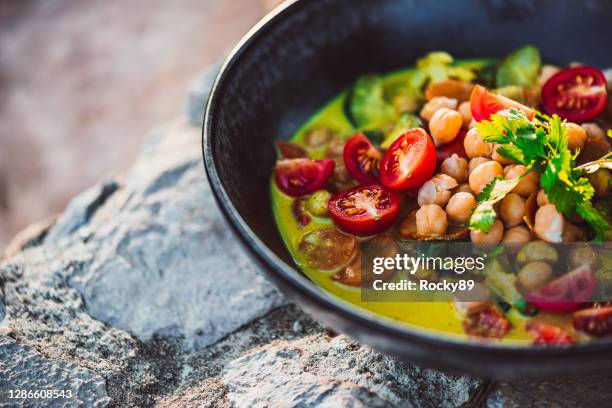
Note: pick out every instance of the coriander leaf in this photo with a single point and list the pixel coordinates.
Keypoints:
(597, 221)
(512, 127)
(484, 215)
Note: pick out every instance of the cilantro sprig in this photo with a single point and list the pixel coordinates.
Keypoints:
(540, 145)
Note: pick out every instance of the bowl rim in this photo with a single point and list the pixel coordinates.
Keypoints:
(288, 275)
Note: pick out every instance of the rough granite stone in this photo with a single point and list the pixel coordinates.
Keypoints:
(164, 261)
(22, 367)
(80, 210)
(319, 371)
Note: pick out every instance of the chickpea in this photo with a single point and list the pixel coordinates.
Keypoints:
(456, 167)
(571, 233)
(431, 220)
(546, 73)
(444, 125)
(512, 209)
(596, 145)
(493, 237)
(466, 114)
(593, 130)
(460, 206)
(498, 157)
(475, 146)
(475, 162)
(583, 255)
(436, 190)
(518, 235)
(600, 180)
(463, 188)
(576, 136)
(549, 224)
(534, 275)
(436, 103)
(529, 184)
(484, 174)
(537, 251)
(542, 198)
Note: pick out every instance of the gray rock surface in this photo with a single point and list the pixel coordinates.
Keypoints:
(23, 368)
(162, 251)
(336, 372)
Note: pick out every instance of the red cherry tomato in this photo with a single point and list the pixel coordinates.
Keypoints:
(484, 104)
(594, 321)
(577, 94)
(547, 335)
(364, 210)
(290, 150)
(298, 177)
(489, 323)
(455, 147)
(409, 162)
(566, 293)
(362, 159)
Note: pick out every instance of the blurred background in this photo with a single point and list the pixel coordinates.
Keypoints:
(82, 82)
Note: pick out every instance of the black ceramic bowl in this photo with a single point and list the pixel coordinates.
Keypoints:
(306, 52)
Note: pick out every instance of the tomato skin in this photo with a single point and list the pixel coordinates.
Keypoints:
(455, 147)
(547, 335)
(362, 159)
(298, 177)
(409, 162)
(487, 323)
(288, 150)
(566, 293)
(594, 321)
(577, 94)
(364, 210)
(485, 103)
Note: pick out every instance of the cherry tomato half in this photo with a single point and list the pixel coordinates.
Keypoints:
(594, 321)
(547, 335)
(364, 210)
(484, 104)
(455, 147)
(566, 293)
(577, 94)
(489, 323)
(298, 177)
(362, 159)
(409, 162)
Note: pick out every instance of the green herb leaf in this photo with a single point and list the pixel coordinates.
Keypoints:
(484, 215)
